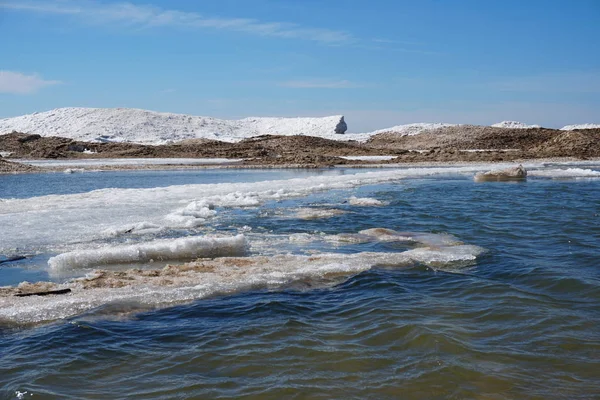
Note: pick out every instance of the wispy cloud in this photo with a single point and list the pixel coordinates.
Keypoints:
(18, 83)
(130, 14)
(320, 84)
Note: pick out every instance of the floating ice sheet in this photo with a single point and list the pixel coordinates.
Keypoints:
(40, 223)
(43, 223)
(174, 284)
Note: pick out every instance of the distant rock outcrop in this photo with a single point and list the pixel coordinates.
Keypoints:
(341, 127)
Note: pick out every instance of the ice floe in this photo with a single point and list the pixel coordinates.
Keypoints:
(206, 277)
(365, 201)
(157, 250)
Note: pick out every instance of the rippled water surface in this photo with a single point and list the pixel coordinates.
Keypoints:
(521, 321)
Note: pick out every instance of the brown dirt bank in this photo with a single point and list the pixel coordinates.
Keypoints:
(465, 137)
(7, 167)
(440, 145)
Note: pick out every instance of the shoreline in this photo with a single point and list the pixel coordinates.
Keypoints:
(29, 169)
(443, 146)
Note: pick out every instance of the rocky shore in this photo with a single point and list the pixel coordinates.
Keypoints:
(462, 143)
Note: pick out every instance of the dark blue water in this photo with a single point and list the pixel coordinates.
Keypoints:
(521, 323)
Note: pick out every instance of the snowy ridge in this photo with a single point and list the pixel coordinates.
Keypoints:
(513, 125)
(411, 129)
(149, 127)
(580, 126)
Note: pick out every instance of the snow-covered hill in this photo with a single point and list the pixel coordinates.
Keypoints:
(149, 127)
(580, 126)
(411, 129)
(513, 125)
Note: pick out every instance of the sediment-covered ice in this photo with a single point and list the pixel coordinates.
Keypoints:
(206, 277)
(157, 250)
(506, 174)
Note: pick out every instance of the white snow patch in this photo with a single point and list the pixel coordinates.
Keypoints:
(513, 125)
(368, 158)
(411, 129)
(580, 126)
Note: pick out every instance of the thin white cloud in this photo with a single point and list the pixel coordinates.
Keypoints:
(316, 84)
(151, 16)
(18, 83)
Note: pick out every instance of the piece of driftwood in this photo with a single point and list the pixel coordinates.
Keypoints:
(46, 293)
(11, 259)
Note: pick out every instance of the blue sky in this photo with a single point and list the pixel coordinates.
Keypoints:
(378, 62)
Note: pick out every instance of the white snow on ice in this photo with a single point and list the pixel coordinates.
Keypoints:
(167, 249)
